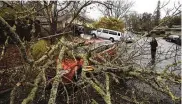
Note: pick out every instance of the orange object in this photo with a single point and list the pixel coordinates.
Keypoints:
(72, 65)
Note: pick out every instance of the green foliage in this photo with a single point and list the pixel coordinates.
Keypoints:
(140, 22)
(146, 22)
(169, 21)
(18, 11)
(133, 22)
(109, 23)
(39, 49)
(7, 13)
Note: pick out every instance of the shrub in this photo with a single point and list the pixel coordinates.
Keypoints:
(7, 13)
(39, 49)
(110, 23)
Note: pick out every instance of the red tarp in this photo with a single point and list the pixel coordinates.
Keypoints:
(71, 65)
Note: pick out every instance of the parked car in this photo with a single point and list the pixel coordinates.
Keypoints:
(107, 34)
(128, 37)
(178, 41)
(174, 38)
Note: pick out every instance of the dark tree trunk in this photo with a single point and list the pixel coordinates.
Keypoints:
(14, 36)
(53, 25)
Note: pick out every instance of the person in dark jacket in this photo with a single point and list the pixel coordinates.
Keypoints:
(153, 45)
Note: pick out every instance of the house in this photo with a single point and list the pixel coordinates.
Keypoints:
(174, 30)
(63, 20)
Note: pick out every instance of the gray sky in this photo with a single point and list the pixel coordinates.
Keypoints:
(139, 6)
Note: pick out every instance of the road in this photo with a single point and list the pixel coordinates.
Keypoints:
(167, 53)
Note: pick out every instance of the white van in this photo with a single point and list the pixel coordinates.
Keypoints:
(107, 34)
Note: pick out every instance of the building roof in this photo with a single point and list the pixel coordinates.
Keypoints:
(168, 29)
(43, 19)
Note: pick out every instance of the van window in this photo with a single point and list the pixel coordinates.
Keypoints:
(112, 32)
(105, 31)
(119, 34)
(98, 30)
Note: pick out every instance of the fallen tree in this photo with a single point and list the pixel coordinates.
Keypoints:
(114, 79)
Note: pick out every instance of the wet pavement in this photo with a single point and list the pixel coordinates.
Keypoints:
(167, 53)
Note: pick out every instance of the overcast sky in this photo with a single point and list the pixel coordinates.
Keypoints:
(139, 6)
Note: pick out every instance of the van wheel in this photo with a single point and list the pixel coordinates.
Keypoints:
(112, 39)
(94, 36)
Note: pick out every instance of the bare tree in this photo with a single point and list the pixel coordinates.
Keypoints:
(117, 9)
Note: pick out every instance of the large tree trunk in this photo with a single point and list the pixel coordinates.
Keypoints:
(53, 24)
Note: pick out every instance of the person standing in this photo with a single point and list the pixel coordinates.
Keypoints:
(154, 46)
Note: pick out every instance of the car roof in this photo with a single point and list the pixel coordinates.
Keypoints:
(109, 30)
(176, 36)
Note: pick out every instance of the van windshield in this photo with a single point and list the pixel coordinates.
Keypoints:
(112, 32)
